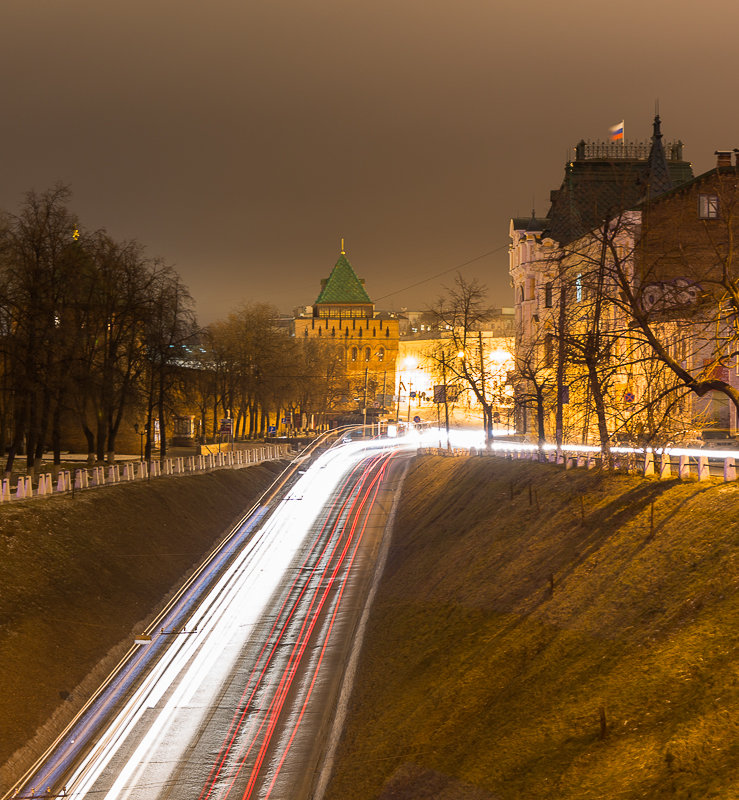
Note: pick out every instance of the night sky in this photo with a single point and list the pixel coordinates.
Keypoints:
(240, 140)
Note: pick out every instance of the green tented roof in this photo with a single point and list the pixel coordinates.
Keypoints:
(343, 285)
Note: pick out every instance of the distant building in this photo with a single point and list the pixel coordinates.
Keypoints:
(344, 314)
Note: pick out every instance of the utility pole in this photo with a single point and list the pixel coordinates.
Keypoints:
(364, 402)
(384, 384)
(487, 417)
(397, 408)
(446, 399)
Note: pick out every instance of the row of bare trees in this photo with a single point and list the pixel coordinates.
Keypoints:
(95, 333)
(250, 370)
(88, 327)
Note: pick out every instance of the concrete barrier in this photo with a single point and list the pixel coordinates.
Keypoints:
(729, 469)
(703, 473)
(649, 463)
(683, 468)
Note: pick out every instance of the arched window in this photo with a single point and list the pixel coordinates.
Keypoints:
(346, 332)
(333, 331)
(381, 354)
(320, 331)
(306, 333)
(360, 333)
(374, 332)
(354, 353)
(367, 353)
(387, 331)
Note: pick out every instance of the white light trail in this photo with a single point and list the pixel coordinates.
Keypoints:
(224, 620)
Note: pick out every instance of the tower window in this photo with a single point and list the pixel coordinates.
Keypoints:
(367, 353)
(354, 353)
(381, 354)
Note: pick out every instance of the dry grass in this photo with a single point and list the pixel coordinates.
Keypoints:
(519, 601)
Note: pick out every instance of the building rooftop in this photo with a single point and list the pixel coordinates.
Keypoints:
(605, 178)
(342, 286)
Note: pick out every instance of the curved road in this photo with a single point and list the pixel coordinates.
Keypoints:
(239, 701)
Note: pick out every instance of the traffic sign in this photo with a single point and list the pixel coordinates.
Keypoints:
(272, 429)
(416, 418)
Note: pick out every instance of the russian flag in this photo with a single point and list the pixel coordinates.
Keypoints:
(617, 132)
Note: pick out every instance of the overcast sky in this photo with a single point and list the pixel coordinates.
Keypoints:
(240, 140)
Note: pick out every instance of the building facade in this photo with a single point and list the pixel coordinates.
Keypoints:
(633, 255)
(344, 316)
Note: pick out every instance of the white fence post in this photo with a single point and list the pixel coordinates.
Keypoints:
(665, 466)
(20, 492)
(729, 469)
(703, 473)
(683, 469)
(648, 463)
(5, 491)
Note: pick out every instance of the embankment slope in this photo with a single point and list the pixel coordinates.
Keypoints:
(548, 634)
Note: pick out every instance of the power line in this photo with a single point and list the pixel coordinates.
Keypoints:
(444, 272)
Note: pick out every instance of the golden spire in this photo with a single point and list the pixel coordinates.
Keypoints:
(343, 252)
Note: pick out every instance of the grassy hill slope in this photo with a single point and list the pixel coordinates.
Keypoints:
(549, 634)
(77, 574)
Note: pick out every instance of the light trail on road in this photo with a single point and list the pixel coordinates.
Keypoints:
(266, 627)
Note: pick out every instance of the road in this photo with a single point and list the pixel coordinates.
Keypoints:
(240, 697)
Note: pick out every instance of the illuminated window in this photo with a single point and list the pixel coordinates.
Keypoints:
(548, 292)
(367, 353)
(381, 354)
(708, 206)
(354, 353)
(578, 288)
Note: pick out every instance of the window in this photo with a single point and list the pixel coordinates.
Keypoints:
(354, 353)
(381, 355)
(530, 288)
(707, 206)
(367, 353)
(549, 350)
(578, 288)
(548, 291)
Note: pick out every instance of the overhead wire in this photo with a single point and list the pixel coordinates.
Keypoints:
(445, 271)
